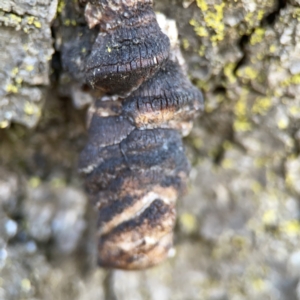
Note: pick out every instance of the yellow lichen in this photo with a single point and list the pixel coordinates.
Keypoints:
(188, 222)
(295, 79)
(29, 108)
(69, 22)
(249, 18)
(242, 125)
(10, 88)
(34, 182)
(277, 92)
(289, 180)
(202, 85)
(37, 24)
(252, 19)
(247, 73)
(229, 72)
(241, 122)
(202, 5)
(29, 68)
(294, 110)
(283, 123)
(296, 13)
(4, 124)
(26, 285)
(200, 30)
(257, 36)
(258, 284)
(30, 20)
(270, 218)
(272, 48)
(14, 71)
(227, 163)
(291, 227)
(213, 19)
(260, 14)
(261, 105)
(185, 44)
(61, 5)
(240, 108)
(201, 51)
(16, 19)
(18, 80)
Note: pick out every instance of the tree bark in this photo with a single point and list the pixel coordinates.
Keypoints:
(238, 230)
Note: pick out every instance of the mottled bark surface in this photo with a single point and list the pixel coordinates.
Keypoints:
(238, 230)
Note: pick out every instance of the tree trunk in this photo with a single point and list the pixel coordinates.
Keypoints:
(238, 230)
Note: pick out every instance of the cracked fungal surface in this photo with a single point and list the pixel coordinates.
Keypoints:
(129, 49)
(134, 162)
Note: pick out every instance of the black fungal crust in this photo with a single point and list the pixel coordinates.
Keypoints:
(125, 175)
(134, 162)
(165, 100)
(125, 55)
(155, 220)
(144, 157)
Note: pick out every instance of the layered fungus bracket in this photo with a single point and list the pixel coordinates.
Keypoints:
(130, 47)
(134, 163)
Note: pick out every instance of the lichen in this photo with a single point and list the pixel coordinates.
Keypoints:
(11, 88)
(247, 72)
(229, 72)
(61, 6)
(188, 222)
(261, 105)
(294, 79)
(291, 228)
(199, 30)
(202, 5)
(29, 108)
(31, 20)
(70, 22)
(213, 19)
(257, 36)
(185, 44)
(227, 163)
(34, 182)
(282, 123)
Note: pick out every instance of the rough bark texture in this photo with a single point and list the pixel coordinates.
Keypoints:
(238, 230)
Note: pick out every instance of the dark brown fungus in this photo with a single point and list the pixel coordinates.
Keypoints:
(134, 163)
(135, 185)
(167, 100)
(129, 49)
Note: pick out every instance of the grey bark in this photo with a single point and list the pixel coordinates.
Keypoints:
(238, 230)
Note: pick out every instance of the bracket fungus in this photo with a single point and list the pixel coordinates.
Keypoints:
(130, 46)
(134, 163)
